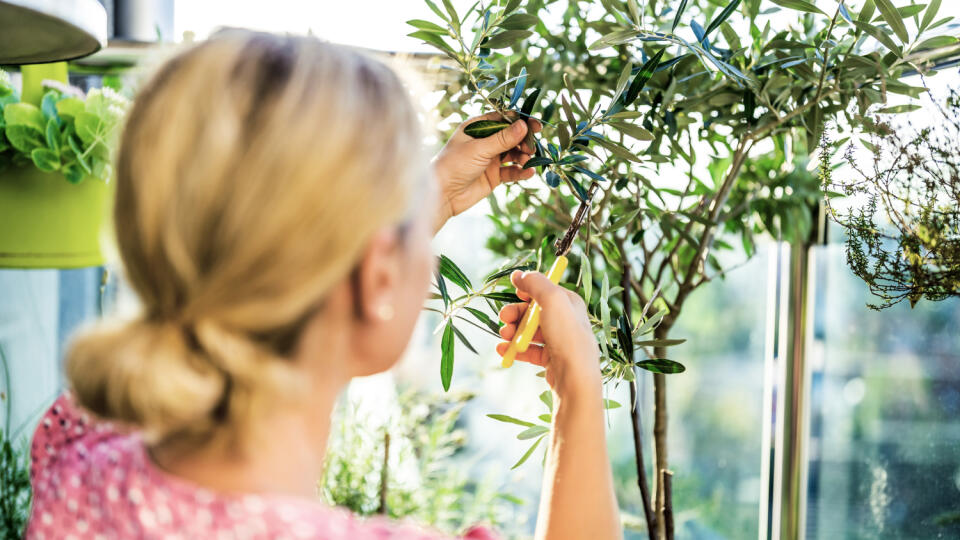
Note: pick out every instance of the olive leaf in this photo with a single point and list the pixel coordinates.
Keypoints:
(533, 431)
(880, 36)
(510, 420)
(442, 287)
(646, 71)
(452, 272)
(484, 319)
(518, 89)
(530, 103)
(485, 128)
(519, 21)
(799, 5)
(507, 271)
(463, 339)
(547, 398)
(537, 161)
(676, 18)
(931, 12)
(507, 38)
(893, 18)
(662, 366)
(528, 453)
(427, 26)
(722, 17)
(505, 297)
(446, 357)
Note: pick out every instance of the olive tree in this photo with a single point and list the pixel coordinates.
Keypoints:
(692, 122)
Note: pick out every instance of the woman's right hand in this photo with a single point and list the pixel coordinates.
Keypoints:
(569, 352)
(578, 500)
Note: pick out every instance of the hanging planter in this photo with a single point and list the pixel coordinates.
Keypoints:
(55, 150)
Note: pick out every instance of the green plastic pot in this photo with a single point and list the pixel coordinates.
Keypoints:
(47, 222)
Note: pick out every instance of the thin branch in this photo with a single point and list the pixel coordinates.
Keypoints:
(826, 53)
(649, 514)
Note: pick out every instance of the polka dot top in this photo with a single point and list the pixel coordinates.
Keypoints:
(92, 480)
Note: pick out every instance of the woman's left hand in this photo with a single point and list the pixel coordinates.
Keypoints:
(468, 169)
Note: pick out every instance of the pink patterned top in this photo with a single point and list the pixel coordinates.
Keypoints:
(91, 480)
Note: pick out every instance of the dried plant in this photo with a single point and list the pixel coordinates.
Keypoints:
(902, 212)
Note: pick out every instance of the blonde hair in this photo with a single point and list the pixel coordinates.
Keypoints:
(251, 172)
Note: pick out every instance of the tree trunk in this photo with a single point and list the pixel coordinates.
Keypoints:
(662, 504)
(667, 480)
(648, 512)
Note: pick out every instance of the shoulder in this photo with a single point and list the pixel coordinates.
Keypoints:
(75, 464)
(63, 425)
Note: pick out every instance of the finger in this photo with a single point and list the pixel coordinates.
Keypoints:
(514, 277)
(502, 141)
(515, 156)
(533, 355)
(538, 287)
(512, 312)
(534, 125)
(575, 298)
(507, 332)
(513, 173)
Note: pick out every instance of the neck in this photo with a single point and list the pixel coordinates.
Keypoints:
(286, 457)
(285, 452)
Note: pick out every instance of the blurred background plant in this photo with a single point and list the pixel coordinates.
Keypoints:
(14, 467)
(407, 466)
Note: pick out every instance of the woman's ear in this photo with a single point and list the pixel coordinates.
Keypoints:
(378, 276)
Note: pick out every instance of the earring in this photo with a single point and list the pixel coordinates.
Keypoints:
(385, 312)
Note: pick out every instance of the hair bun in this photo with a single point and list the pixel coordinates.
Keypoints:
(144, 373)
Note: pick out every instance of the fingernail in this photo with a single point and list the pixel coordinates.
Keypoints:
(517, 126)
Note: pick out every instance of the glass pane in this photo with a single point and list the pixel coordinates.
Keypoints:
(885, 418)
(714, 410)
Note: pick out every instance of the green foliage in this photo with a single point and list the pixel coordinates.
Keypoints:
(14, 486)
(695, 121)
(455, 309)
(902, 218)
(539, 429)
(67, 134)
(14, 466)
(674, 129)
(423, 481)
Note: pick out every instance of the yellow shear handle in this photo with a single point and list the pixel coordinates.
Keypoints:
(531, 319)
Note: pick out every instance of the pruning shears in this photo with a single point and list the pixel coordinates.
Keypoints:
(531, 319)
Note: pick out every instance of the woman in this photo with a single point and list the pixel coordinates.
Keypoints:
(274, 212)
